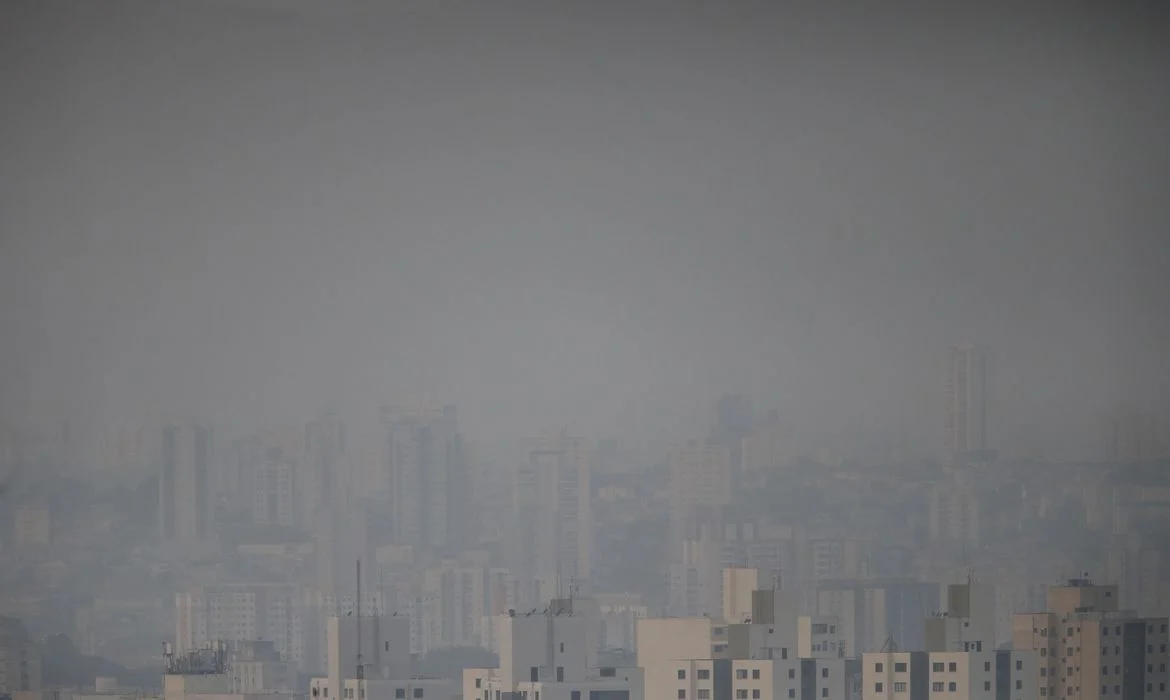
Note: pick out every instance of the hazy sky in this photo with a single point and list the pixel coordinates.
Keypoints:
(592, 214)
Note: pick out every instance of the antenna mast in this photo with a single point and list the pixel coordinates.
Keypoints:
(361, 671)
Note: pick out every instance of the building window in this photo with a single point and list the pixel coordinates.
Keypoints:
(952, 686)
(682, 694)
(938, 687)
(560, 674)
(575, 695)
(952, 667)
(937, 667)
(824, 692)
(824, 673)
(987, 685)
(704, 674)
(791, 693)
(1019, 665)
(877, 667)
(1019, 685)
(756, 694)
(533, 674)
(986, 665)
(478, 682)
(400, 692)
(877, 688)
(418, 692)
(755, 674)
(741, 673)
(682, 675)
(562, 647)
(791, 673)
(741, 694)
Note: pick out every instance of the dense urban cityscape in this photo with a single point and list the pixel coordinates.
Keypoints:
(584, 350)
(297, 561)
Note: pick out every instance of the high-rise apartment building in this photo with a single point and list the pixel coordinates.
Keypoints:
(966, 411)
(553, 515)
(1088, 648)
(273, 491)
(185, 507)
(426, 475)
(323, 477)
(700, 480)
(734, 421)
(240, 612)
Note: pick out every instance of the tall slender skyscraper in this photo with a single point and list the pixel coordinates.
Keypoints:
(553, 517)
(426, 473)
(966, 415)
(185, 508)
(323, 473)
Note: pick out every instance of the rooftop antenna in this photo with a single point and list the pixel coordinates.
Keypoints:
(361, 672)
(377, 622)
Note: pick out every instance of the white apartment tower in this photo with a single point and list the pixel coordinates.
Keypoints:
(185, 507)
(553, 517)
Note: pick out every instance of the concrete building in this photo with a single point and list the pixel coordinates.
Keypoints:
(552, 546)
(700, 475)
(384, 649)
(20, 658)
(273, 494)
(240, 612)
(426, 476)
(185, 508)
(410, 688)
(1087, 648)
(954, 515)
(968, 621)
(256, 667)
(874, 611)
(554, 654)
(324, 475)
(966, 405)
(695, 587)
(949, 675)
(700, 659)
(819, 637)
(619, 620)
(457, 598)
(738, 587)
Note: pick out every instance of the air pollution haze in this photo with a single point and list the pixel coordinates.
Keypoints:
(590, 215)
(443, 350)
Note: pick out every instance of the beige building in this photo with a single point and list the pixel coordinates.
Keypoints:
(738, 587)
(1087, 648)
(948, 675)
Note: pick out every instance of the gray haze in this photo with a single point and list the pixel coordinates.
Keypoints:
(580, 214)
